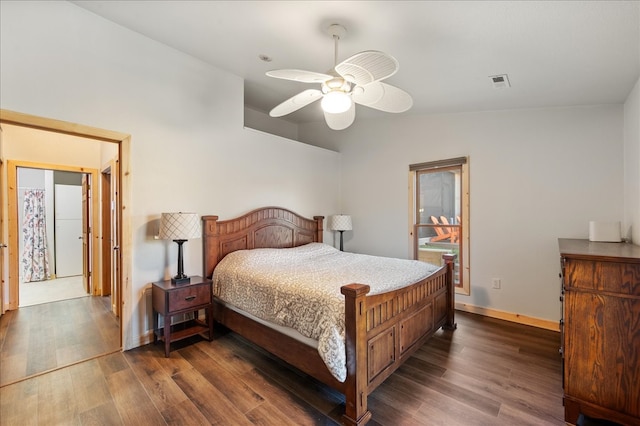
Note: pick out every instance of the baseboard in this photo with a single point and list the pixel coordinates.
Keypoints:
(509, 316)
(145, 339)
(139, 340)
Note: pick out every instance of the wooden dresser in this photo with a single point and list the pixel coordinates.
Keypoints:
(601, 330)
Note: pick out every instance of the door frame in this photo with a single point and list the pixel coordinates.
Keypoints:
(461, 163)
(124, 195)
(3, 245)
(109, 233)
(89, 243)
(89, 275)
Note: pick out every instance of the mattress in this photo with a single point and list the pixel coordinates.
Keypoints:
(299, 288)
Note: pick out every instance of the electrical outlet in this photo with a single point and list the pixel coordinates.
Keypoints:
(496, 283)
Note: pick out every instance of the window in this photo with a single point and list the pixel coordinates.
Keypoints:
(439, 212)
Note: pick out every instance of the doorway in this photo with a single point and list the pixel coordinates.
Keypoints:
(50, 222)
(72, 233)
(439, 214)
(9, 289)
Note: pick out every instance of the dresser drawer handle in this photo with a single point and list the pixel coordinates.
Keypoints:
(189, 298)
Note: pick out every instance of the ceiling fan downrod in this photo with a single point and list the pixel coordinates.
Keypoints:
(336, 31)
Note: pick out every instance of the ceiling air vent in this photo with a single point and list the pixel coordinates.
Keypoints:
(500, 81)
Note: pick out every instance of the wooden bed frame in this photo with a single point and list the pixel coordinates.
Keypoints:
(382, 330)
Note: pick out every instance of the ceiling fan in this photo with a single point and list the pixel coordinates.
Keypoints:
(356, 80)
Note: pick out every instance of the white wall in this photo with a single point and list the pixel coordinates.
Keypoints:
(258, 120)
(189, 151)
(632, 165)
(535, 175)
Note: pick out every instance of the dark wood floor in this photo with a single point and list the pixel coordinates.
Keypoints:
(39, 338)
(487, 372)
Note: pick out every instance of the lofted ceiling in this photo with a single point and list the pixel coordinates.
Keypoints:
(555, 53)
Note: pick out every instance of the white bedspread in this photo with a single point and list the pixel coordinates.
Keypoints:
(300, 288)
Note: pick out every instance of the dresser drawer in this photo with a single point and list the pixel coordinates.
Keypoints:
(189, 297)
(611, 277)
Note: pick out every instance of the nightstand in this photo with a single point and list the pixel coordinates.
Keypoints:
(171, 299)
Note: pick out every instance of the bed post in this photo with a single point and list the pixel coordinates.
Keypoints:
(210, 247)
(319, 228)
(450, 260)
(355, 390)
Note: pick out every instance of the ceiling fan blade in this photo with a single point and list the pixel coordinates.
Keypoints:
(296, 102)
(368, 66)
(342, 120)
(300, 75)
(382, 96)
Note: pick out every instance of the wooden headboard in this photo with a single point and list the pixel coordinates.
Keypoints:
(266, 227)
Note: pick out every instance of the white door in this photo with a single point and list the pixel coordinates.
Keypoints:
(68, 220)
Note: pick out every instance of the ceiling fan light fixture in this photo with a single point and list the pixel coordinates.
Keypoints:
(356, 80)
(336, 102)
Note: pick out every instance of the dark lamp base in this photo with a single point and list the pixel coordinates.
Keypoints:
(180, 280)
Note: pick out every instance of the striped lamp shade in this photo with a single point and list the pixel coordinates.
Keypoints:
(340, 222)
(180, 226)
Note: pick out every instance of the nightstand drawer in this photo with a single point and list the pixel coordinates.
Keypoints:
(189, 297)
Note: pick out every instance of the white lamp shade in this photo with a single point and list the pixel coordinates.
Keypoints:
(180, 226)
(336, 102)
(340, 222)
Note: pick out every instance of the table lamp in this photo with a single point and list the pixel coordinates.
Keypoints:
(180, 227)
(340, 222)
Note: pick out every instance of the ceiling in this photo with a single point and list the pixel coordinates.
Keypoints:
(556, 53)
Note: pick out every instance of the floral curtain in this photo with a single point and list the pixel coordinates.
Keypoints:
(35, 255)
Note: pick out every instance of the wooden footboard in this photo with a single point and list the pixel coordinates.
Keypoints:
(382, 330)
